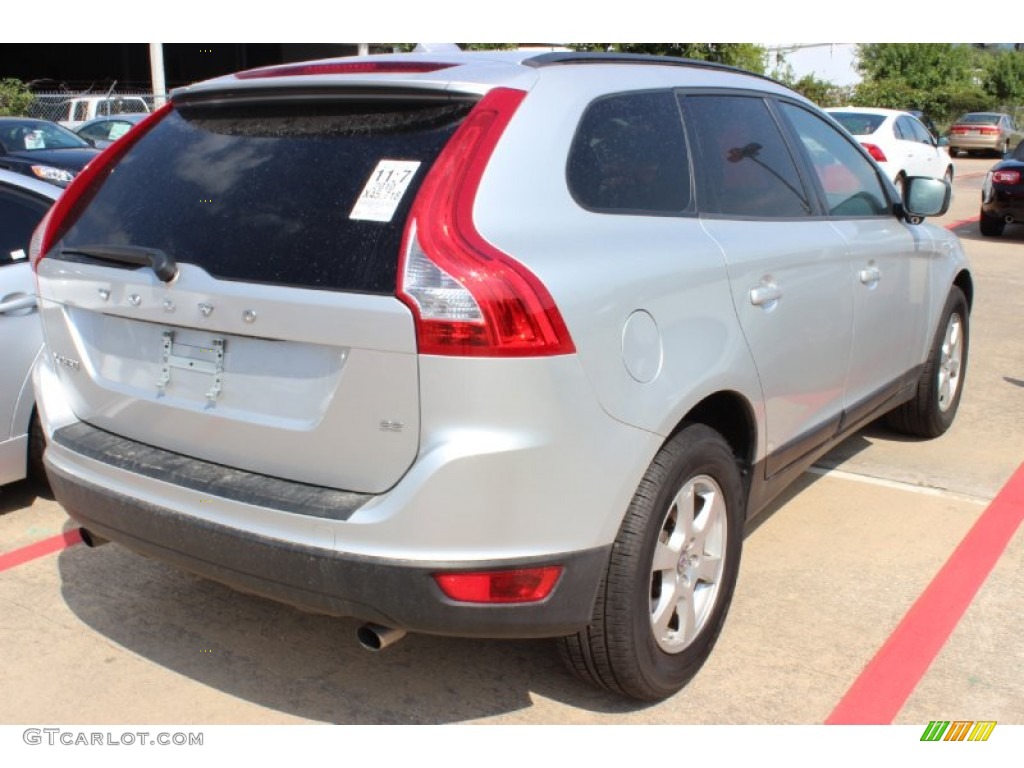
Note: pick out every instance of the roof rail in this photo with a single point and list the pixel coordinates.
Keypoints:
(572, 57)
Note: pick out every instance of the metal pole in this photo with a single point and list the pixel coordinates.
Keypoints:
(156, 68)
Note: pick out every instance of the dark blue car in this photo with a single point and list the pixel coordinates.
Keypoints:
(43, 150)
(1002, 195)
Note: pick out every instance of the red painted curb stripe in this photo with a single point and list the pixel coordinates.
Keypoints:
(40, 549)
(882, 688)
(961, 222)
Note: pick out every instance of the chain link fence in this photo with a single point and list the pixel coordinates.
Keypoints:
(66, 107)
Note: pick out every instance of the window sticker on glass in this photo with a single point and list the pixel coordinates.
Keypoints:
(384, 190)
(18, 254)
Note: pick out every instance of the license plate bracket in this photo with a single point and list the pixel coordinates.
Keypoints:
(207, 359)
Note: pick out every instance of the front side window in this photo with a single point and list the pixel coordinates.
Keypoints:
(629, 156)
(851, 185)
(747, 170)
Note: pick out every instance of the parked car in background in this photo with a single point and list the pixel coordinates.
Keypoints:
(898, 141)
(381, 338)
(984, 131)
(71, 110)
(1002, 194)
(43, 150)
(104, 131)
(23, 203)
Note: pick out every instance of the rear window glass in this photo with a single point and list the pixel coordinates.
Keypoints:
(629, 156)
(859, 123)
(979, 118)
(269, 194)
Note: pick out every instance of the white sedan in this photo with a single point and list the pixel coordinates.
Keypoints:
(898, 141)
(23, 203)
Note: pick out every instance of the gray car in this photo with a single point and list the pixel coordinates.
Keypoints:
(23, 203)
(988, 131)
(485, 344)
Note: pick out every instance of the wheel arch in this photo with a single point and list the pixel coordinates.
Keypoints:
(731, 415)
(965, 283)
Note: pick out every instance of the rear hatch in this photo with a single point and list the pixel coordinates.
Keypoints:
(278, 347)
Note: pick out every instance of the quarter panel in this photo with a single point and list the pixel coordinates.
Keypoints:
(602, 268)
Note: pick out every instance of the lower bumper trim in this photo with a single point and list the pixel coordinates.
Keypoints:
(395, 593)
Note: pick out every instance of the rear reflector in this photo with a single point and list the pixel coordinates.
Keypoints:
(345, 68)
(525, 585)
(1006, 177)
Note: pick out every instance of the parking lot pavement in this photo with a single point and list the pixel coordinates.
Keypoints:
(831, 578)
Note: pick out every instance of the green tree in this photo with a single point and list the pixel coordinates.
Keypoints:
(1004, 76)
(14, 97)
(917, 65)
(942, 79)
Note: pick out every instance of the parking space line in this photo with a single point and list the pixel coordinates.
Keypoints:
(40, 549)
(963, 222)
(881, 690)
(824, 470)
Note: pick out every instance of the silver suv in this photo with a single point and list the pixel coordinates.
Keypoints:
(491, 345)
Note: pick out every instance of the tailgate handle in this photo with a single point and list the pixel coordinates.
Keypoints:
(163, 264)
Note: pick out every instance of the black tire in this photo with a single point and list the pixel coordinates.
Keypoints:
(621, 649)
(937, 399)
(991, 226)
(36, 446)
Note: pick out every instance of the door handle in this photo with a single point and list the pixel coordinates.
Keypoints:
(765, 295)
(870, 276)
(17, 301)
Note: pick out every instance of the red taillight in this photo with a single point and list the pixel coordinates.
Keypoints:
(345, 68)
(468, 297)
(81, 190)
(1006, 177)
(525, 585)
(959, 130)
(990, 130)
(875, 151)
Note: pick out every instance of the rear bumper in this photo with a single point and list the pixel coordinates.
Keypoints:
(991, 143)
(1005, 203)
(396, 593)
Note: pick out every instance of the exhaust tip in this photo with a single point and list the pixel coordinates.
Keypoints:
(90, 539)
(374, 637)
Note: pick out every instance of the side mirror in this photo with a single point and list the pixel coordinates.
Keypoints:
(943, 142)
(923, 197)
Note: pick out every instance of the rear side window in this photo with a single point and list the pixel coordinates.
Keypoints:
(747, 170)
(269, 194)
(629, 156)
(859, 123)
